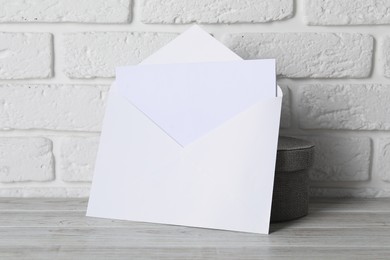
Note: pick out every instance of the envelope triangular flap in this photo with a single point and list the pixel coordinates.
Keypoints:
(189, 100)
(193, 45)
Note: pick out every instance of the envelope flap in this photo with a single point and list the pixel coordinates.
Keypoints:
(189, 100)
(193, 45)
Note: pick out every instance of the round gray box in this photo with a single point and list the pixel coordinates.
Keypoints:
(291, 186)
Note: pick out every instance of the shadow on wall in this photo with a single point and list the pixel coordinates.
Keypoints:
(340, 164)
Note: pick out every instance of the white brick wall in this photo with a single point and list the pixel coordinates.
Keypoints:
(340, 159)
(386, 55)
(77, 158)
(223, 11)
(354, 107)
(285, 119)
(57, 60)
(54, 107)
(25, 55)
(336, 12)
(83, 11)
(311, 55)
(383, 158)
(96, 54)
(26, 159)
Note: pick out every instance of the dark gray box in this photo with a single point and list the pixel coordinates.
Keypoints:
(291, 186)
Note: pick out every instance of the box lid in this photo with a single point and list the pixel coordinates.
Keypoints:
(294, 154)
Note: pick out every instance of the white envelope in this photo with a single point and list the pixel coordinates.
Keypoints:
(214, 169)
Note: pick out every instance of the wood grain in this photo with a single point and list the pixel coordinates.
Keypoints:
(58, 229)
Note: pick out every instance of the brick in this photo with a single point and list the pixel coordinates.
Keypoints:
(349, 106)
(386, 55)
(96, 54)
(55, 107)
(314, 55)
(224, 11)
(345, 192)
(285, 119)
(347, 12)
(25, 55)
(340, 158)
(45, 192)
(383, 159)
(84, 11)
(77, 158)
(26, 159)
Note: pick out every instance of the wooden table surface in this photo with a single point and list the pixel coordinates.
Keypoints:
(58, 229)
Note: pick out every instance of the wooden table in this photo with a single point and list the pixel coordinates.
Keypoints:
(58, 229)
